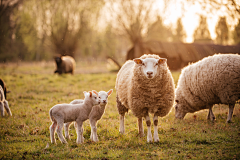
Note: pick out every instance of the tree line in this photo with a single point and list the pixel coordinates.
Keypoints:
(32, 30)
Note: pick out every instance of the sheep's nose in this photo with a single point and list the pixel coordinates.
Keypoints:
(149, 73)
(104, 101)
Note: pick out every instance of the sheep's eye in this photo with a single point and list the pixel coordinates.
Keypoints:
(143, 64)
(98, 97)
(95, 97)
(156, 64)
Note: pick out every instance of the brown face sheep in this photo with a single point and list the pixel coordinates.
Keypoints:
(65, 64)
(145, 85)
(212, 80)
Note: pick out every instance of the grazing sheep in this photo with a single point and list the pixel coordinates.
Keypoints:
(65, 64)
(145, 85)
(95, 114)
(212, 80)
(63, 113)
(3, 101)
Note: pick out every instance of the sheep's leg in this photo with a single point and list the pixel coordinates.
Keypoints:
(6, 106)
(140, 127)
(155, 122)
(93, 136)
(149, 134)
(66, 128)
(1, 108)
(79, 130)
(210, 114)
(52, 129)
(122, 128)
(121, 110)
(59, 131)
(230, 112)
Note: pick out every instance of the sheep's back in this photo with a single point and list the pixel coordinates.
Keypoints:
(214, 79)
(68, 63)
(123, 82)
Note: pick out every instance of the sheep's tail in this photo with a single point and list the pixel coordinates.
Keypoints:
(51, 117)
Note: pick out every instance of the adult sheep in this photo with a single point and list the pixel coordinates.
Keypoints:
(65, 64)
(145, 85)
(212, 80)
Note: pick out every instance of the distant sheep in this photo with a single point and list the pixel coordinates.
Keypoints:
(145, 85)
(95, 114)
(3, 101)
(65, 64)
(63, 113)
(212, 80)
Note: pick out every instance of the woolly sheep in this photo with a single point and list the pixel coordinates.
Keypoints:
(212, 80)
(145, 85)
(3, 101)
(65, 64)
(94, 116)
(63, 113)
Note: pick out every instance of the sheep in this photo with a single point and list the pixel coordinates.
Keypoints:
(63, 113)
(94, 116)
(65, 64)
(212, 80)
(145, 85)
(3, 101)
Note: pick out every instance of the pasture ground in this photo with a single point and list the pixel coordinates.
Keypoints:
(35, 89)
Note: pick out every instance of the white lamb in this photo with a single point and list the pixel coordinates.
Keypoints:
(94, 116)
(63, 113)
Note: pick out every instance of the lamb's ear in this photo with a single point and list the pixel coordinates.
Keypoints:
(162, 60)
(95, 92)
(85, 93)
(90, 94)
(137, 61)
(110, 92)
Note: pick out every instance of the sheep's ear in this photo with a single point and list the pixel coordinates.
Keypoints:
(90, 94)
(95, 92)
(162, 60)
(110, 92)
(137, 61)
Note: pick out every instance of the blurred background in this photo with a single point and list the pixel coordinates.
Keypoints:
(117, 30)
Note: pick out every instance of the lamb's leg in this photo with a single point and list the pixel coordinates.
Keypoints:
(66, 128)
(59, 131)
(79, 130)
(210, 114)
(155, 122)
(1, 108)
(140, 127)
(93, 136)
(149, 134)
(6, 106)
(230, 112)
(52, 129)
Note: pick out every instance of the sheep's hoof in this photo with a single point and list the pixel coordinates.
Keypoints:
(149, 141)
(229, 121)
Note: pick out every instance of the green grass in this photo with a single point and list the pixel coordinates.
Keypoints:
(35, 89)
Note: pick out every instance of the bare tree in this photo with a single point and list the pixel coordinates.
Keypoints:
(222, 31)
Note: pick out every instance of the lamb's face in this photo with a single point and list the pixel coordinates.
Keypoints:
(93, 96)
(103, 96)
(149, 66)
(179, 110)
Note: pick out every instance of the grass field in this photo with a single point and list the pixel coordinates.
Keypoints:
(35, 89)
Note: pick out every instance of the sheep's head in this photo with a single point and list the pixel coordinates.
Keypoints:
(103, 96)
(180, 110)
(93, 95)
(150, 65)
